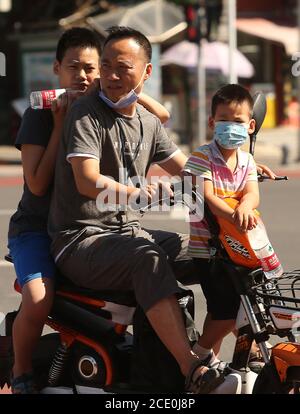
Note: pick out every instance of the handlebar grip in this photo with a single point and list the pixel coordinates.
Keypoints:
(160, 199)
(277, 178)
(283, 177)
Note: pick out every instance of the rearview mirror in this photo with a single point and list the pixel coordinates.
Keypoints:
(259, 113)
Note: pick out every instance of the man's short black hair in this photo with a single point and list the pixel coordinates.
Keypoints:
(77, 37)
(124, 32)
(231, 93)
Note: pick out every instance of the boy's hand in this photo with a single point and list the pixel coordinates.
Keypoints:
(265, 170)
(61, 105)
(244, 218)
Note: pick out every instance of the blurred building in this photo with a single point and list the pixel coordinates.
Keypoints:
(28, 38)
(29, 33)
(268, 35)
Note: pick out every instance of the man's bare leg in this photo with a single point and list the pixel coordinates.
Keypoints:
(166, 319)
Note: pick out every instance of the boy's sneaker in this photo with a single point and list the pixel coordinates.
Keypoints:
(24, 384)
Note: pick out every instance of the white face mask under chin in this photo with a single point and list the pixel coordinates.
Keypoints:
(124, 101)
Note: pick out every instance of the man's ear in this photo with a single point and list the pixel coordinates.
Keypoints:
(56, 66)
(252, 124)
(148, 71)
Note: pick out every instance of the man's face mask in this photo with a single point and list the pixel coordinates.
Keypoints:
(124, 101)
(230, 135)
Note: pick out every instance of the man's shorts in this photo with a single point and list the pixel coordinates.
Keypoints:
(146, 262)
(221, 298)
(30, 252)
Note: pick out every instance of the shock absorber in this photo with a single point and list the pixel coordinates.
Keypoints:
(58, 364)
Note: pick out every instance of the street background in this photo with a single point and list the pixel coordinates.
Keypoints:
(197, 47)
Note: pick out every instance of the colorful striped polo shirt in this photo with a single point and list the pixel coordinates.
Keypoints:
(207, 162)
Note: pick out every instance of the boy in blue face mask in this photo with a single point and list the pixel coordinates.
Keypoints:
(227, 172)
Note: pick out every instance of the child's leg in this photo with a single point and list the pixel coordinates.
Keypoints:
(37, 296)
(217, 346)
(35, 271)
(222, 306)
(215, 331)
(208, 345)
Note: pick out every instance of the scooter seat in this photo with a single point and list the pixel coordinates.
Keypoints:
(65, 285)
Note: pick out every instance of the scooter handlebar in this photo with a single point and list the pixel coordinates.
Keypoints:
(262, 177)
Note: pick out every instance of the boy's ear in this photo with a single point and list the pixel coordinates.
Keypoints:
(211, 123)
(56, 66)
(252, 124)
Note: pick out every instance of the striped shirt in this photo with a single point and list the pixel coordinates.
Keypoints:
(207, 162)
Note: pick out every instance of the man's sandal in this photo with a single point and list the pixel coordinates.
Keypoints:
(203, 381)
(23, 384)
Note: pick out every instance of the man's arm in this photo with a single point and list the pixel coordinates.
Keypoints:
(175, 164)
(90, 182)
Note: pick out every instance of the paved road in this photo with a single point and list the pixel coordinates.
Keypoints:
(280, 202)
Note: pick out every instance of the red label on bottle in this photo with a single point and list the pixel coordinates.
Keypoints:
(270, 263)
(48, 97)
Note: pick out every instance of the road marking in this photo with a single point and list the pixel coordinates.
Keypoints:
(11, 181)
(6, 212)
(4, 263)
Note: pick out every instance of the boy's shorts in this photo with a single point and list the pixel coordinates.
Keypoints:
(30, 252)
(221, 298)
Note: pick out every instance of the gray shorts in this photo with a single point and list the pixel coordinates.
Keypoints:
(147, 262)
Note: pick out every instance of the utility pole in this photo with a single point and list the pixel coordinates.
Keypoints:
(232, 39)
(298, 81)
(201, 76)
(194, 14)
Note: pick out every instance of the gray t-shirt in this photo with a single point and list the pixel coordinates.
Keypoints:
(32, 211)
(94, 130)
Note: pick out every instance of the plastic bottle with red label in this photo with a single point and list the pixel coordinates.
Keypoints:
(43, 99)
(264, 251)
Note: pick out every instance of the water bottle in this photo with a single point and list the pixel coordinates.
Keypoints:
(263, 249)
(43, 99)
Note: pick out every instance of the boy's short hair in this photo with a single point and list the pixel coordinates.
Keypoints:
(231, 93)
(124, 32)
(77, 37)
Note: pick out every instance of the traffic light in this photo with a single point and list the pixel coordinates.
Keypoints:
(193, 22)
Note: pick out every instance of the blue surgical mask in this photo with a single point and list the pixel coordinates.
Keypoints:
(124, 101)
(230, 135)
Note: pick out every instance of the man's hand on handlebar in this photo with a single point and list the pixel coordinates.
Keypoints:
(154, 192)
